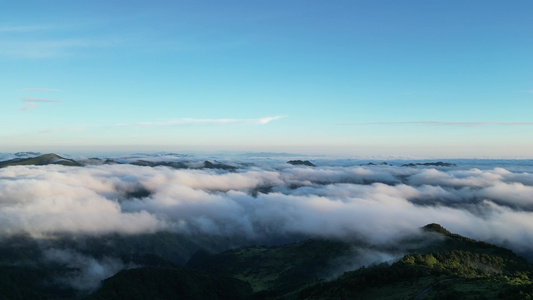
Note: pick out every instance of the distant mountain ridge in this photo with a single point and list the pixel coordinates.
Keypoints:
(172, 160)
(430, 164)
(46, 159)
(54, 159)
(301, 163)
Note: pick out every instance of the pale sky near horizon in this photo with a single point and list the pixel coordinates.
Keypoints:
(409, 78)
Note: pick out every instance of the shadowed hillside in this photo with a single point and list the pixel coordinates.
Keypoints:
(177, 283)
(455, 267)
(443, 266)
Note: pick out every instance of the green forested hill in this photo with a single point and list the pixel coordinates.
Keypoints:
(276, 269)
(175, 283)
(443, 266)
(459, 268)
(456, 267)
(25, 273)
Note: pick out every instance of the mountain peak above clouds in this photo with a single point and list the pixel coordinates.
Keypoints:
(45, 159)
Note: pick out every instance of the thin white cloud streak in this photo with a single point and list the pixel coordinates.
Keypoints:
(437, 123)
(63, 129)
(51, 48)
(31, 102)
(24, 28)
(192, 121)
(32, 99)
(524, 91)
(184, 122)
(27, 41)
(41, 90)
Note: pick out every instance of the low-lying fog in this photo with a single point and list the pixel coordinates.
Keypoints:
(260, 201)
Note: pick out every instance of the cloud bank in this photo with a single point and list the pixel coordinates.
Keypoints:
(377, 204)
(263, 202)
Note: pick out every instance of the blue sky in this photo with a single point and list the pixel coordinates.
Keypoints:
(362, 78)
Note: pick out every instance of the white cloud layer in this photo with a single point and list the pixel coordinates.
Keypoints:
(31, 102)
(442, 123)
(192, 121)
(41, 90)
(378, 204)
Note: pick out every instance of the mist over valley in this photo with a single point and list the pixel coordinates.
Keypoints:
(89, 218)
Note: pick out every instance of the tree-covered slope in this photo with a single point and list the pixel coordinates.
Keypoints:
(69, 267)
(458, 268)
(176, 283)
(275, 269)
(443, 266)
(449, 266)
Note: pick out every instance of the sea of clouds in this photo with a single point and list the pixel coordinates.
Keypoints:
(377, 204)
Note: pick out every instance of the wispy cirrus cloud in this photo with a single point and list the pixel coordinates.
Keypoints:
(37, 41)
(174, 122)
(32, 99)
(192, 121)
(23, 28)
(31, 102)
(51, 48)
(524, 91)
(440, 123)
(62, 129)
(41, 90)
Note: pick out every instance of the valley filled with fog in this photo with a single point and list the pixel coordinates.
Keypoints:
(267, 198)
(245, 200)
